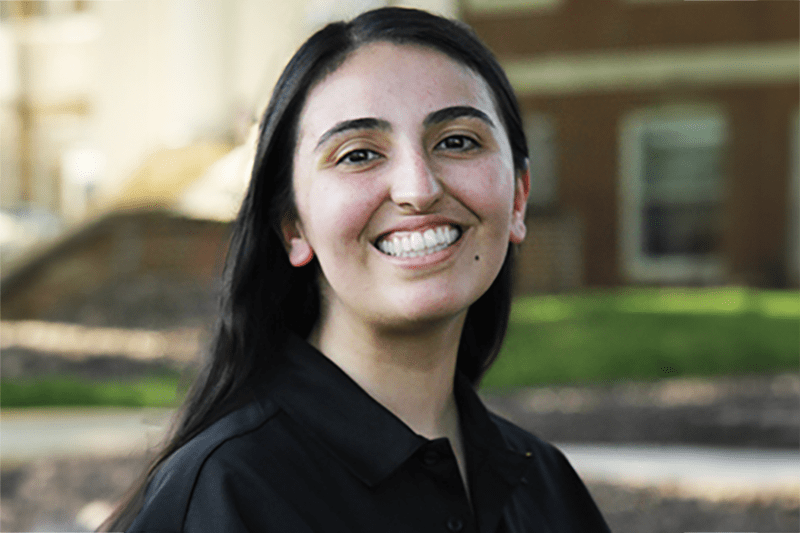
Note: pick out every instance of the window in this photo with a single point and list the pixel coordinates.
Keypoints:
(671, 192)
(540, 132)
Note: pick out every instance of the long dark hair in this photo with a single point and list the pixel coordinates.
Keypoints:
(264, 297)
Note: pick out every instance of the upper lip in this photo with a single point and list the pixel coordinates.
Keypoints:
(418, 223)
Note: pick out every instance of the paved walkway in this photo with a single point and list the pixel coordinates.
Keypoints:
(691, 471)
(28, 434)
(687, 470)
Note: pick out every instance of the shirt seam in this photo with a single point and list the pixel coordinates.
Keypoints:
(269, 416)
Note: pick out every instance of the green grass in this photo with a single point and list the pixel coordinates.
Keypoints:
(68, 391)
(648, 334)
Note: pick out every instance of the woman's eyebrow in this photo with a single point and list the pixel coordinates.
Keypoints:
(355, 124)
(451, 113)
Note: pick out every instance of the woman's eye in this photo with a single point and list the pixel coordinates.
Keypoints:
(358, 157)
(458, 142)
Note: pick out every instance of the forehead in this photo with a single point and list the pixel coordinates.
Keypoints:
(394, 82)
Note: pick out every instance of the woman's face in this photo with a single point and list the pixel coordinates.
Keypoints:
(404, 186)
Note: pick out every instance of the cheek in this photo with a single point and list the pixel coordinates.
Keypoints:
(340, 212)
(488, 190)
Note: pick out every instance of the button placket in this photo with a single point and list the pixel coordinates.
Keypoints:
(455, 524)
(524, 480)
(431, 457)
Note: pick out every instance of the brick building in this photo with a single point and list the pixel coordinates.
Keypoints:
(664, 138)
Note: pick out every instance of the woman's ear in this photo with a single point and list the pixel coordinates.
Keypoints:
(521, 191)
(297, 246)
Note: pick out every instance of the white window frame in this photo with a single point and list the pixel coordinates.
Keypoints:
(636, 265)
(540, 132)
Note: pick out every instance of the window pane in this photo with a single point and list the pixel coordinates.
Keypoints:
(681, 188)
(680, 228)
(681, 172)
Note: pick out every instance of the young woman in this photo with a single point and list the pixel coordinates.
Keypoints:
(367, 290)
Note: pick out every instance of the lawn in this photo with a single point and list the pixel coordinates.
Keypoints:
(585, 337)
(648, 334)
(68, 391)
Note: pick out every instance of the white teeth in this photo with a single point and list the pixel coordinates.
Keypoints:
(441, 236)
(416, 244)
(430, 238)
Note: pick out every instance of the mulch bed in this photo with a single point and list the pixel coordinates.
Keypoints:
(752, 411)
(652, 510)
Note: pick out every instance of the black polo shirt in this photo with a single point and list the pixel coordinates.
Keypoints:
(315, 453)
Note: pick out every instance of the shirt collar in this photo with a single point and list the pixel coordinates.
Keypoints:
(494, 469)
(368, 438)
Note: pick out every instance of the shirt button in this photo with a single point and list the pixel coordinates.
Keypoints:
(430, 458)
(455, 524)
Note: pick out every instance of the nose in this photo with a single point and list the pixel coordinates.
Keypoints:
(414, 184)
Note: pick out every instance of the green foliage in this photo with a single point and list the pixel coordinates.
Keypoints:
(648, 334)
(68, 391)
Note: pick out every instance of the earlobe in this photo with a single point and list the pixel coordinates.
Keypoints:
(300, 252)
(521, 191)
(298, 248)
(518, 231)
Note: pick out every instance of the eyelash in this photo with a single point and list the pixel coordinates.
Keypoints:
(467, 143)
(371, 155)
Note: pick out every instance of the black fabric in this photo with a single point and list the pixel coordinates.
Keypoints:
(315, 453)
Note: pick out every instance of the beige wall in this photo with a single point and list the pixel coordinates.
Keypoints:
(153, 74)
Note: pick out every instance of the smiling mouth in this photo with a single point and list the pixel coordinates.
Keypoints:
(418, 243)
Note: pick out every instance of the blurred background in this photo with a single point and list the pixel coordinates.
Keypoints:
(657, 302)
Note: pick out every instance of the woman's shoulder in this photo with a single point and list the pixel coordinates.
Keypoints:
(548, 457)
(211, 442)
(550, 483)
(216, 448)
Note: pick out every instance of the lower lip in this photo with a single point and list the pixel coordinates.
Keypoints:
(425, 260)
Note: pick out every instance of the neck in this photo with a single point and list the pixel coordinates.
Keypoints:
(410, 372)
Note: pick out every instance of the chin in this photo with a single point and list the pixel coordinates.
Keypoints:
(429, 310)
